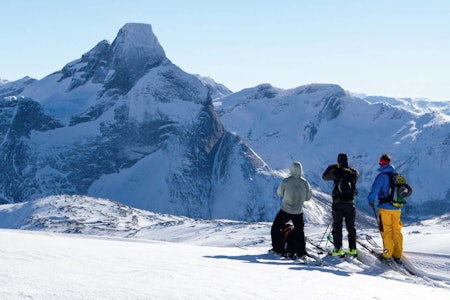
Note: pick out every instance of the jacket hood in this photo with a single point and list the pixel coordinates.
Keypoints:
(342, 160)
(386, 169)
(296, 169)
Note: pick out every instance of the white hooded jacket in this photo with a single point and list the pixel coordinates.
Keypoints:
(294, 189)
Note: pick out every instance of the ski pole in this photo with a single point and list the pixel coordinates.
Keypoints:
(376, 218)
(380, 226)
(326, 230)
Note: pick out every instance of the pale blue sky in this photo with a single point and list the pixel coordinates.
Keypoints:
(390, 48)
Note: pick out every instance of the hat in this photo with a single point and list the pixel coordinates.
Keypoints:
(342, 160)
(296, 169)
(385, 159)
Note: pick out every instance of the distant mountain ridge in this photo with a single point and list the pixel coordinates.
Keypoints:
(216, 90)
(124, 123)
(12, 89)
(314, 123)
(418, 105)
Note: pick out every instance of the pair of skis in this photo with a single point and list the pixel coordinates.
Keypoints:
(321, 251)
(377, 251)
(368, 243)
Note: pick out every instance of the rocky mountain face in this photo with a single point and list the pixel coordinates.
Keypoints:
(124, 123)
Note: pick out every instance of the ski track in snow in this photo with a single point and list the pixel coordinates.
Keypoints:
(433, 266)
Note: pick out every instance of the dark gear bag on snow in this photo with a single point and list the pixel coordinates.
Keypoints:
(288, 240)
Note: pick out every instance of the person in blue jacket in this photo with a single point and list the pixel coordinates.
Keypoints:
(388, 215)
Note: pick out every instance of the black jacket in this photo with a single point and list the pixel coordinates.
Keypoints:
(346, 174)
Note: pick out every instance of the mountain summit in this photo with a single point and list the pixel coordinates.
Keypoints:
(121, 64)
(134, 52)
(124, 123)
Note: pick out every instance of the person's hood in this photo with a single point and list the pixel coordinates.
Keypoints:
(386, 169)
(342, 160)
(296, 169)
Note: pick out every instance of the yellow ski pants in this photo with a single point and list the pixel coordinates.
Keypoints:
(391, 232)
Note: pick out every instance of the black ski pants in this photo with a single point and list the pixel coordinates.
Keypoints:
(281, 219)
(341, 211)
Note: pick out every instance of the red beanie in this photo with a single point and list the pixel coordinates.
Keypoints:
(385, 159)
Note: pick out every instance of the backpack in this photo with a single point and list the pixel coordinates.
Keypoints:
(346, 185)
(289, 242)
(398, 189)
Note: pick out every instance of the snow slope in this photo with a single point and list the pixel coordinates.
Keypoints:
(117, 252)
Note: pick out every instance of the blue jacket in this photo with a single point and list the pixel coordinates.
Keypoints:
(380, 187)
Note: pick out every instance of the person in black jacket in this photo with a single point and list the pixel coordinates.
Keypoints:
(344, 192)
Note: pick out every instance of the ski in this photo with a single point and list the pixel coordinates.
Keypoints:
(322, 250)
(314, 244)
(396, 266)
(372, 250)
(277, 254)
(371, 241)
(303, 260)
(328, 252)
(378, 251)
(317, 258)
(282, 256)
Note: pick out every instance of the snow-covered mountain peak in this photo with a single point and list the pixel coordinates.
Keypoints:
(137, 42)
(324, 88)
(98, 50)
(86, 87)
(216, 90)
(133, 36)
(264, 91)
(306, 92)
(134, 51)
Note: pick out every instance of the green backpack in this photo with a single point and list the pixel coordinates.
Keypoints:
(399, 189)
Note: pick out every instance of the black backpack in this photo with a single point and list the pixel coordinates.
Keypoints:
(345, 189)
(289, 242)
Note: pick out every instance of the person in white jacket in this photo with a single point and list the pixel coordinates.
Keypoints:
(294, 190)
